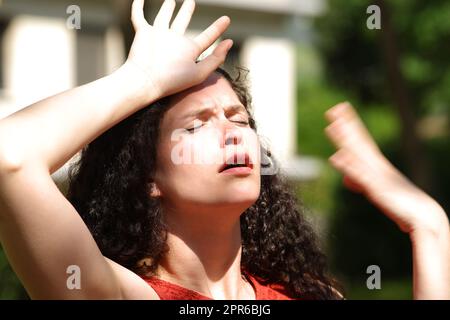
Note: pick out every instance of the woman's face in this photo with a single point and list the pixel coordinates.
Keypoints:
(205, 129)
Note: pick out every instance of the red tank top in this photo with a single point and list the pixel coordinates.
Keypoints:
(170, 291)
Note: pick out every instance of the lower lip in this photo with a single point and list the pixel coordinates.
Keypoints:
(238, 171)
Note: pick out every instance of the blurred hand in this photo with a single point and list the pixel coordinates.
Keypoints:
(166, 57)
(366, 170)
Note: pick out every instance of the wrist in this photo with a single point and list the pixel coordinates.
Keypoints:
(435, 226)
(136, 83)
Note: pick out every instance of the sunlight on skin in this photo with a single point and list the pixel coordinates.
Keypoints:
(175, 53)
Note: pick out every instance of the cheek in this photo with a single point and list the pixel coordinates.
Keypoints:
(187, 163)
(253, 147)
(200, 149)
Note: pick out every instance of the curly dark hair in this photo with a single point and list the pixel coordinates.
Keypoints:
(110, 185)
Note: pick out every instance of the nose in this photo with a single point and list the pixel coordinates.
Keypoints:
(231, 136)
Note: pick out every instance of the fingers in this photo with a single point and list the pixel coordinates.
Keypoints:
(165, 13)
(352, 185)
(355, 156)
(214, 60)
(358, 157)
(340, 135)
(137, 14)
(359, 175)
(346, 130)
(212, 33)
(184, 16)
(340, 110)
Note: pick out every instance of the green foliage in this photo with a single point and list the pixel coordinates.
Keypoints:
(391, 289)
(10, 287)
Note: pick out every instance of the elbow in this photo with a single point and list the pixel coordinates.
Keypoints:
(10, 161)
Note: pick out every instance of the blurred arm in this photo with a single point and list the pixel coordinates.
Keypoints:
(366, 170)
(431, 262)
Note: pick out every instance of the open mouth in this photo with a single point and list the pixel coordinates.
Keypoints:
(238, 163)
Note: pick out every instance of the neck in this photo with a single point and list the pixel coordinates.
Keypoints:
(205, 253)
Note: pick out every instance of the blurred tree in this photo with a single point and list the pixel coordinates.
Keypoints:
(414, 156)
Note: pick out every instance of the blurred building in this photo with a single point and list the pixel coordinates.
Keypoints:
(41, 56)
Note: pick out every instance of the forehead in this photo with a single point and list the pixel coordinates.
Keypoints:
(214, 91)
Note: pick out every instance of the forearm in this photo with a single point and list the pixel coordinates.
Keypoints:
(431, 261)
(51, 131)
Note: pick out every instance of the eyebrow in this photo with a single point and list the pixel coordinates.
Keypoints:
(234, 107)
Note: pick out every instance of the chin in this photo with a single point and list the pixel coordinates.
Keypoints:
(244, 197)
(245, 188)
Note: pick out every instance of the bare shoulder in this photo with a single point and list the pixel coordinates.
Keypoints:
(133, 287)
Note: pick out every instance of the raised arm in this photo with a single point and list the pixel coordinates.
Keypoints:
(366, 170)
(161, 62)
(40, 231)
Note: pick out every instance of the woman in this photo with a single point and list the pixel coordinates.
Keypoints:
(171, 198)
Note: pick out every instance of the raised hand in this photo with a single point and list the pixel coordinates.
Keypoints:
(366, 170)
(166, 57)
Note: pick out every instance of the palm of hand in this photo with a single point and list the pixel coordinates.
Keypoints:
(166, 56)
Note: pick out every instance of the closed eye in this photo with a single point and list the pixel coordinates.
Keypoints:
(241, 122)
(191, 130)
